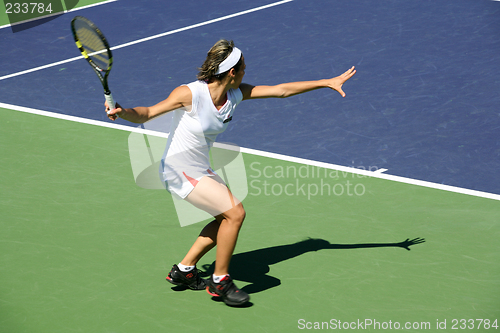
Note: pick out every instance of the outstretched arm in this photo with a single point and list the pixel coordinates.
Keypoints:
(294, 88)
(180, 97)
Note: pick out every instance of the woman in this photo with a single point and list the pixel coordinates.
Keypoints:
(202, 109)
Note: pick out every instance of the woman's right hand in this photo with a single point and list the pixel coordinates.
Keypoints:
(113, 114)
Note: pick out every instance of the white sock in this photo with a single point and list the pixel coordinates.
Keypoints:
(217, 278)
(185, 268)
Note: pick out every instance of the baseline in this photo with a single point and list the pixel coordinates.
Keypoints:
(374, 174)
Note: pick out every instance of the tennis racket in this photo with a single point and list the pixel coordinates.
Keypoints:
(95, 49)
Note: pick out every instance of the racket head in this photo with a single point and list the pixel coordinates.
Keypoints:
(93, 46)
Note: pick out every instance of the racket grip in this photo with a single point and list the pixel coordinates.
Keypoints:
(110, 100)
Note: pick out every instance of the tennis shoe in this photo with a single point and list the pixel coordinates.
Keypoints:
(191, 279)
(227, 290)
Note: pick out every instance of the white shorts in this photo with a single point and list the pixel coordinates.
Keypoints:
(180, 181)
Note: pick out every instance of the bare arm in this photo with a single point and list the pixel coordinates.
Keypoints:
(294, 88)
(180, 97)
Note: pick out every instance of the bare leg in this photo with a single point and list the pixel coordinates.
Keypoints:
(226, 240)
(212, 195)
(204, 243)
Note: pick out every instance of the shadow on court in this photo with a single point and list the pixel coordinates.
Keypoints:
(253, 266)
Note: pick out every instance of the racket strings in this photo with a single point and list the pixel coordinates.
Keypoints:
(93, 45)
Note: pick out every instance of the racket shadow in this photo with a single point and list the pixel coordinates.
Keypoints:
(253, 266)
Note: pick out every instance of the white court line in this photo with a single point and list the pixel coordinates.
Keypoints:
(150, 38)
(58, 13)
(81, 120)
(351, 170)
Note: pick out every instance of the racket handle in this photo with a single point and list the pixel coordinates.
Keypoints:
(110, 100)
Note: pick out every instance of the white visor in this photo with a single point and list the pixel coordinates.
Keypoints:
(230, 61)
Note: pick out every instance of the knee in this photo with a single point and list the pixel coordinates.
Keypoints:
(243, 213)
(238, 214)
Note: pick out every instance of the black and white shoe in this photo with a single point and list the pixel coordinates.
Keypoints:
(191, 279)
(227, 290)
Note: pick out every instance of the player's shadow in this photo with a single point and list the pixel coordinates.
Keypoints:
(253, 266)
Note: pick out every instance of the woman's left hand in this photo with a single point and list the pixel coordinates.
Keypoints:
(337, 82)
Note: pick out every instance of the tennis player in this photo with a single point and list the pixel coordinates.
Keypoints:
(202, 110)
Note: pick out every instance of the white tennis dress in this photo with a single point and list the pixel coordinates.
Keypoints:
(192, 134)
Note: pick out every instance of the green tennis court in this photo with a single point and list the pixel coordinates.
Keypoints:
(84, 249)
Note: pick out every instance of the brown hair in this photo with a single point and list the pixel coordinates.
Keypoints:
(215, 56)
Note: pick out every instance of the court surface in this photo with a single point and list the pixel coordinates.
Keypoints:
(337, 188)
